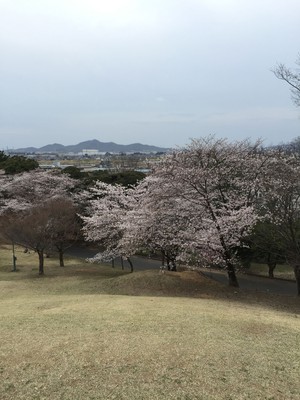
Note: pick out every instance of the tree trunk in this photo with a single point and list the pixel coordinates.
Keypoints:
(174, 268)
(113, 263)
(271, 266)
(41, 262)
(162, 259)
(14, 263)
(14, 258)
(61, 258)
(168, 263)
(297, 276)
(232, 279)
(130, 263)
(122, 263)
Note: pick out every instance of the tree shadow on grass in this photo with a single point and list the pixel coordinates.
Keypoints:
(187, 284)
(93, 279)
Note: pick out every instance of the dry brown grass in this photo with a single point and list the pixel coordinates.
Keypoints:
(91, 332)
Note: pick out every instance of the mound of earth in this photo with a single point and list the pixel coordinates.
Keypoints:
(155, 283)
(189, 284)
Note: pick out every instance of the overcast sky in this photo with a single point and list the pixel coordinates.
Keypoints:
(151, 71)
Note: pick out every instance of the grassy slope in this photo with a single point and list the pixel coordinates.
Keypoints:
(281, 271)
(73, 334)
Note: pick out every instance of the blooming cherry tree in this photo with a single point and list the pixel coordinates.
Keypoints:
(200, 202)
(27, 208)
(24, 190)
(218, 181)
(156, 220)
(105, 220)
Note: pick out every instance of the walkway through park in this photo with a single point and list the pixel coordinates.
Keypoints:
(247, 282)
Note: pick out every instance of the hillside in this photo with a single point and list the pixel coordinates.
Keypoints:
(90, 331)
(108, 147)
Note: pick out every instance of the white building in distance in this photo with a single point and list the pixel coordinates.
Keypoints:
(89, 152)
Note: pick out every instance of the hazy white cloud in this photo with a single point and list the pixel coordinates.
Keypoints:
(254, 114)
(150, 71)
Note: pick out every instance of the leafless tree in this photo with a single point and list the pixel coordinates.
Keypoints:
(37, 212)
(291, 77)
(281, 200)
(44, 227)
(32, 231)
(63, 225)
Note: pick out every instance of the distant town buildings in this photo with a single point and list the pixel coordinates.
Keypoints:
(90, 152)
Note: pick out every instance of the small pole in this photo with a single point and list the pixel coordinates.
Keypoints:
(14, 258)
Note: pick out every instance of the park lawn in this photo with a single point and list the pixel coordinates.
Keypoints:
(93, 332)
(282, 271)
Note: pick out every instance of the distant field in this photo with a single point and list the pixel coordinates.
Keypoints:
(93, 332)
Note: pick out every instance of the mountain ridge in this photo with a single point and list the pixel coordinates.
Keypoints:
(94, 144)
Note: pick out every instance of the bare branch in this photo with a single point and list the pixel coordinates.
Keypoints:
(291, 78)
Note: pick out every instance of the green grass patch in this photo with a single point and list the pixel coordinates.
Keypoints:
(283, 271)
(92, 332)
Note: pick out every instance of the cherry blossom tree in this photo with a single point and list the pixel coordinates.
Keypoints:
(28, 205)
(104, 222)
(219, 182)
(155, 221)
(200, 203)
(124, 220)
(22, 191)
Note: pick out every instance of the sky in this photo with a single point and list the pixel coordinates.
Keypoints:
(157, 72)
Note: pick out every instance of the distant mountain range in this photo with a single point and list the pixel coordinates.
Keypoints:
(109, 147)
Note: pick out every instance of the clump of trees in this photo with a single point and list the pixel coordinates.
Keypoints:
(38, 212)
(206, 203)
(211, 203)
(124, 178)
(16, 164)
(216, 182)
(281, 207)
